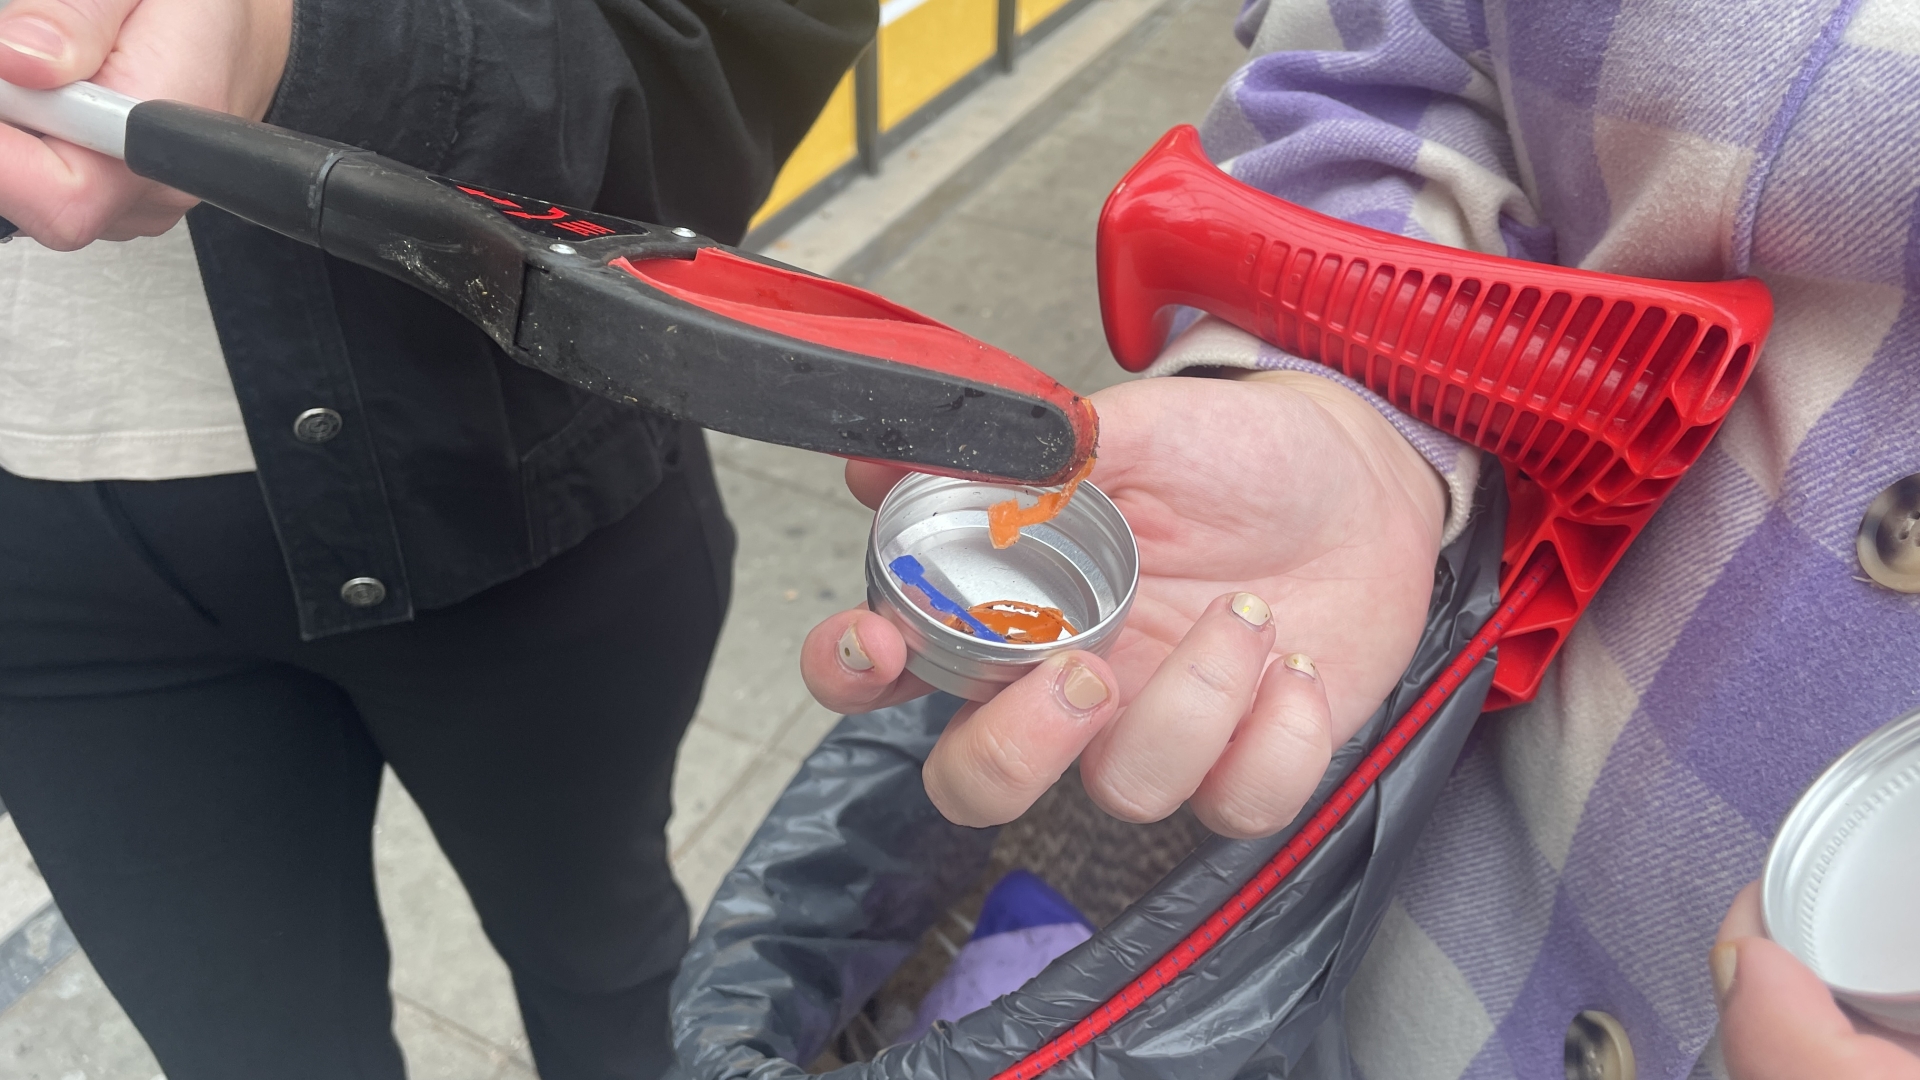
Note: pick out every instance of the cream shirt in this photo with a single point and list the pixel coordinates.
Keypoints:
(109, 366)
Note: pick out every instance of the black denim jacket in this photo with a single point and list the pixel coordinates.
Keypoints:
(455, 468)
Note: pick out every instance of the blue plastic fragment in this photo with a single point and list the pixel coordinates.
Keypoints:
(910, 572)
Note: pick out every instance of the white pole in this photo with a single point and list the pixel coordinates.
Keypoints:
(81, 113)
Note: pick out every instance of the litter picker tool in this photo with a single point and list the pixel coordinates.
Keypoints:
(1595, 391)
(645, 314)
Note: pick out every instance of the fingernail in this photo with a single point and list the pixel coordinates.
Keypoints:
(1252, 608)
(1724, 960)
(1082, 689)
(1301, 664)
(34, 37)
(852, 656)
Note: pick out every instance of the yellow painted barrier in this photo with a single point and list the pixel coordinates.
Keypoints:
(929, 47)
(924, 48)
(1030, 12)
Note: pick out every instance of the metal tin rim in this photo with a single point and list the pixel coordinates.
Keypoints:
(1017, 653)
(1831, 790)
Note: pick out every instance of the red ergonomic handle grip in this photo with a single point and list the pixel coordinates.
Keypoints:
(1596, 391)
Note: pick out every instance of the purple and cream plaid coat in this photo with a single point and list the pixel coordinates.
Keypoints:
(1588, 844)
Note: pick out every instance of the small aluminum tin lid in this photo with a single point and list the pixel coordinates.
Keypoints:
(1084, 562)
(1841, 889)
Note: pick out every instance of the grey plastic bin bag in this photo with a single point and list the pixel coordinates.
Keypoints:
(853, 864)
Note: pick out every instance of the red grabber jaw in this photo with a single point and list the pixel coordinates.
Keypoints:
(640, 313)
(1000, 418)
(1595, 391)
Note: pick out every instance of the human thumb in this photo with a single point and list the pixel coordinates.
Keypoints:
(50, 43)
(1779, 1022)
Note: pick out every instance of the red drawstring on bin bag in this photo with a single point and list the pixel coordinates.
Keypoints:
(1597, 392)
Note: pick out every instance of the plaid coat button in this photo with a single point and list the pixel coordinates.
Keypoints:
(1597, 1048)
(1889, 539)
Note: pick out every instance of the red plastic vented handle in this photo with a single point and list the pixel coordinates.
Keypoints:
(1596, 391)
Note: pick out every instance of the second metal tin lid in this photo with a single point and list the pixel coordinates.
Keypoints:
(1841, 880)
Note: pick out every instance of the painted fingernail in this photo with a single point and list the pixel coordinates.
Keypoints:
(34, 37)
(1251, 608)
(1724, 960)
(852, 656)
(1301, 664)
(1082, 689)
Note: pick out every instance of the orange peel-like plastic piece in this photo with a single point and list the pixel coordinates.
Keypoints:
(1018, 621)
(1006, 519)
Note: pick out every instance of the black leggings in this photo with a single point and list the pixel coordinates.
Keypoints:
(198, 785)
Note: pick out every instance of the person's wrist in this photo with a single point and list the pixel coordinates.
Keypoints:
(1387, 453)
(267, 36)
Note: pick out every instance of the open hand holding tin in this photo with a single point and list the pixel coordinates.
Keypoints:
(68, 191)
(640, 313)
(1291, 493)
(1596, 392)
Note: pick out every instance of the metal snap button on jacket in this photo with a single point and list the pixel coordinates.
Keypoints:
(317, 425)
(1597, 1048)
(1889, 540)
(363, 591)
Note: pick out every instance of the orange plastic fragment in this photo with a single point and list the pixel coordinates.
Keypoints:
(1006, 519)
(1017, 621)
